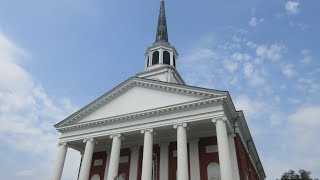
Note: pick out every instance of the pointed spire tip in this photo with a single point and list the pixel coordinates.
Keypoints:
(162, 33)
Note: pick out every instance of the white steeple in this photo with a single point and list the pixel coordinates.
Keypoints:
(161, 57)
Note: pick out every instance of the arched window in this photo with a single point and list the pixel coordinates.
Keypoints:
(154, 167)
(174, 61)
(95, 177)
(155, 57)
(213, 171)
(166, 57)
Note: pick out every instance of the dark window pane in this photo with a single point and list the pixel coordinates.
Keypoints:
(155, 57)
(174, 61)
(166, 57)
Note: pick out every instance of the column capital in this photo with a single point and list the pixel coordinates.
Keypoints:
(117, 136)
(215, 119)
(91, 140)
(147, 130)
(181, 124)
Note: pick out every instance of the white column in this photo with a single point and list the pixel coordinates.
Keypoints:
(233, 156)
(150, 59)
(171, 58)
(194, 158)
(160, 56)
(114, 157)
(146, 63)
(164, 161)
(62, 152)
(223, 149)
(107, 165)
(134, 161)
(147, 155)
(182, 152)
(87, 158)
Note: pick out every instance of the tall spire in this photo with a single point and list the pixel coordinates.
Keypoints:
(162, 33)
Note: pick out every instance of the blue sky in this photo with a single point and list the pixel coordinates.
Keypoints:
(57, 56)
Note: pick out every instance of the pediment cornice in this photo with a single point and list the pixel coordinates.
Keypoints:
(142, 114)
(134, 81)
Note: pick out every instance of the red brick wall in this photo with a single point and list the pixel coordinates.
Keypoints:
(206, 158)
(123, 167)
(245, 165)
(98, 169)
(172, 161)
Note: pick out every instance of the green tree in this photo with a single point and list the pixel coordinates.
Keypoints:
(291, 174)
(305, 174)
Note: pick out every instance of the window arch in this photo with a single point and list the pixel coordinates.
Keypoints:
(213, 171)
(155, 57)
(166, 57)
(95, 177)
(154, 167)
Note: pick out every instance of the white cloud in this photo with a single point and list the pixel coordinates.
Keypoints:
(255, 77)
(231, 66)
(27, 115)
(308, 84)
(299, 25)
(250, 107)
(254, 21)
(240, 56)
(306, 57)
(306, 116)
(264, 98)
(288, 70)
(273, 52)
(292, 7)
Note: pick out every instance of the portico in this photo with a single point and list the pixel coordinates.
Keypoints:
(144, 139)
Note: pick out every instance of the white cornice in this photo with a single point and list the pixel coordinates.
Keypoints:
(182, 89)
(142, 114)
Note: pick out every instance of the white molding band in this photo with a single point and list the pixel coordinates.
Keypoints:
(158, 111)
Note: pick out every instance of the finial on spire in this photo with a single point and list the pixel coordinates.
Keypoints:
(162, 33)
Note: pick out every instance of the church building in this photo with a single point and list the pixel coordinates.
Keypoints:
(154, 126)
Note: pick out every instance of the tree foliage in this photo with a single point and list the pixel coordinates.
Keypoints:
(291, 174)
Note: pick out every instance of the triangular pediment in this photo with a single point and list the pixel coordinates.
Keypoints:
(136, 95)
(136, 99)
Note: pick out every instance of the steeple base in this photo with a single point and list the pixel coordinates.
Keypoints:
(164, 73)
